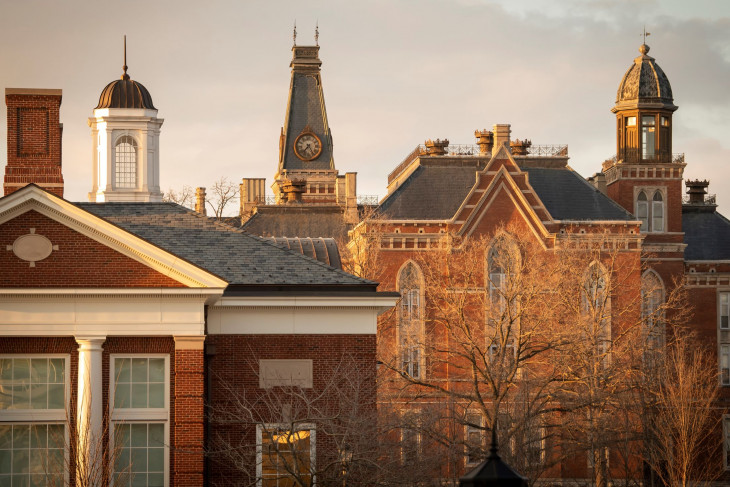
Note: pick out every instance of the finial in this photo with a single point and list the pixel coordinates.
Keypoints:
(125, 76)
(316, 34)
(294, 36)
(643, 49)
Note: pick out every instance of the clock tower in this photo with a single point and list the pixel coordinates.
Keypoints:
(306, 164)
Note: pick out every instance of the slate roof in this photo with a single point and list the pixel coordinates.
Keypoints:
(706, 233)
(298, 221)
(306, 108)
(429, 193)
(435, 192)
(235, 256)
(567, 196)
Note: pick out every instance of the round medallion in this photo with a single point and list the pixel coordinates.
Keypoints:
(307, 146)
(32, 247)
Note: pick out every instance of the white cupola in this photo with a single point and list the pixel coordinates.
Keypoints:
(126, 134)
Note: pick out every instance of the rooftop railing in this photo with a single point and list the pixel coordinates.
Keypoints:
(710, 199)
(634, 156)
(473, 150)
(367, 199)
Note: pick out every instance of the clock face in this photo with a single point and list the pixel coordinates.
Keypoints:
(307, 146)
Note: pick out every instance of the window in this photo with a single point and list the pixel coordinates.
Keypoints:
(652, 298)
(474, 438)
(125, 162)
(597, 311)
(604, 452)
(140, 419)
(33, 398)
(503, 360)
(648, 137)
(631, 121)
(651, 215)
(726, 441)
(725, 365)
(286, 456)
(502, 263)
(725, 311)
(665, 121)
(410, 445)
(410, 322)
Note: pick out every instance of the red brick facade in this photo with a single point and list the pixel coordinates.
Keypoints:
(34, 140)
(102, 266)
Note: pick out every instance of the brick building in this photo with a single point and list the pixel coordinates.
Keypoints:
(133, 331)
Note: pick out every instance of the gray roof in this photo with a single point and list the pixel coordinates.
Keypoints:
(298, 221)
(706, 233)
(567, 196)
(435, 192)
(429, 193)
(306, 109)
(233, 255)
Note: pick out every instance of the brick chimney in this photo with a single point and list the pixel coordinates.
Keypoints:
(200, 200)
(501, 136)
(34, 139)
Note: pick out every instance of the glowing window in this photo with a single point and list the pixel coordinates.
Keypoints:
(125, 162)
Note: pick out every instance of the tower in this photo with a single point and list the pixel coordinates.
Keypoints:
(126, 153)
(306, 170)
(645, 177)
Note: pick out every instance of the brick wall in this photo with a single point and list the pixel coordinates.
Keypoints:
(34, 140)
(78, 262)
(234, 377)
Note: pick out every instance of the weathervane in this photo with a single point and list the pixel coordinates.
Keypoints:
(316, 34)
(124, 67)
(295, 33)
(645, 34)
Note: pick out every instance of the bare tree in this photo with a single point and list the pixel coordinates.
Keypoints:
(185, 197)
(684, 415)
(220, 195)
(360, 251)
(268, 435)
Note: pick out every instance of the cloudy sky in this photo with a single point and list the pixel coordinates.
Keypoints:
(394, 73)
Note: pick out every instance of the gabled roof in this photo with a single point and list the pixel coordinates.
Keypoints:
(435, 191)
(706, 233)
(238, 257)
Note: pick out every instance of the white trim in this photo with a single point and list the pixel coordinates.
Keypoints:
(100, 230)
(141, 415)
(40, 415)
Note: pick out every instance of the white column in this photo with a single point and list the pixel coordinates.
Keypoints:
(89, 410)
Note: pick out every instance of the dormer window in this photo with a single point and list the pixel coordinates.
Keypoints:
(651, 213)
(125, 162)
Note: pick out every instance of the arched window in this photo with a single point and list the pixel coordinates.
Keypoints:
(651, 213)
(597, 310)
(652, 298)
(502, 265)
(657, 212)
(125, 162)
(642, 211)
(410, 321)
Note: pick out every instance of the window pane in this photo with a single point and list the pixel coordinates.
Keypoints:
(39, 398)
(156, 459)
(157, 396)
(56, 396)
(39, 371)
(139, 370)
(139, 395)
(139, 434)
(157, 370)
(157, 435)
(121, 396)
(122, 368)
(56, 371)
(155, 480)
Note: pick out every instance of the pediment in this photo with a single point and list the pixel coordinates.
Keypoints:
(47, 241)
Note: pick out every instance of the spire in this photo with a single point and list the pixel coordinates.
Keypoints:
(294, 36)
(316, 34)
(125, 76)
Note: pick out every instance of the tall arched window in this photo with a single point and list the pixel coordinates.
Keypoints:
(410, 320)
(642, 211)
(657, 212)
(652, 298)
(597, 310)
(651, 213)
(125, 162)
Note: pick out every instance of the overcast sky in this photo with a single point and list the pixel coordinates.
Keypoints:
(394, 74)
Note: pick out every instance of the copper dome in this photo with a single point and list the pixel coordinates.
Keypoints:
(645, 82)
(125, 93)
